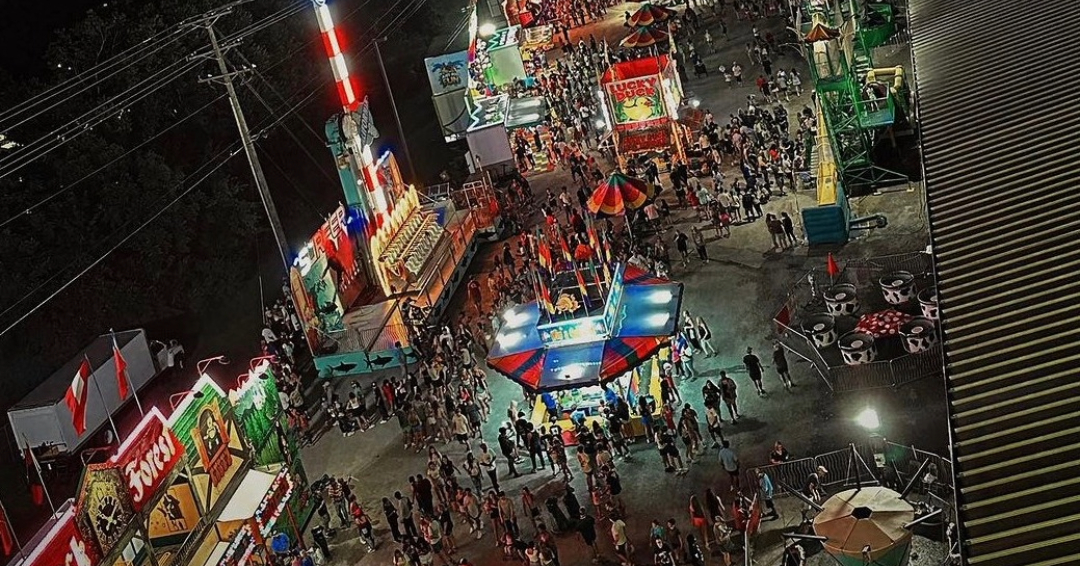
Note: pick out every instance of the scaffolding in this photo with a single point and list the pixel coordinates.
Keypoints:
(857, 112)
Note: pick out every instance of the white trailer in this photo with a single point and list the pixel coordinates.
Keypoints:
(42, 419)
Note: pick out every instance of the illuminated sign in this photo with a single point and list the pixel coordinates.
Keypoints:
(611, 308)
(502, 38)
(256, 407)
(329, 237)
(147, 457)
(584, 329)
(636, 100)
(212, 440)
(63, 545)
(268, 512)
(240, 549)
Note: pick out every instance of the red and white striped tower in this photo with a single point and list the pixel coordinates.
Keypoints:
(378, 203)
(348, 89)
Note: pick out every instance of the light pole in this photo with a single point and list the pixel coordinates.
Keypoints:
(393, 106)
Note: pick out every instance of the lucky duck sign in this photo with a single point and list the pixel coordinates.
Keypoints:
(636, 100)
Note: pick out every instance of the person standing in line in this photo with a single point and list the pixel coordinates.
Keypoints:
(730, 462)
(729, 394)
(789, 229)
(781, 365)
(755, 369)
(586, 528)
(767, 493)
(623, 548)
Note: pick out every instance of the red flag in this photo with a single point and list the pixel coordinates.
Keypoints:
(544, 253)
(121, 370)
(7, 540)
(76, 397)
(833, 268)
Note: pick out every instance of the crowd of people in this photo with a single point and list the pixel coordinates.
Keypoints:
(441, 401)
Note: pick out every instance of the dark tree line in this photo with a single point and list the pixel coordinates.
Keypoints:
(195, 254)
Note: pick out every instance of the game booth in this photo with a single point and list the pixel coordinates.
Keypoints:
(641, 100)
(210, 485)
(583, 345)
(496, 60)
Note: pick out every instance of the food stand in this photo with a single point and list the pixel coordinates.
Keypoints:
(205, 486)
(641, 108)
(526, 119)
(581, 345)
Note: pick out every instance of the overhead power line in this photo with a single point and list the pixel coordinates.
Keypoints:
(30, 209)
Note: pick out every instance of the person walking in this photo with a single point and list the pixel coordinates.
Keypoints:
(699, 244)
(729, 394)
(754, 369)
(487, 462)
(506, 446)
(705, 336)
(781, 365)
(730, 462)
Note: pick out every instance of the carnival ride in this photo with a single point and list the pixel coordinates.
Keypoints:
(857, 105)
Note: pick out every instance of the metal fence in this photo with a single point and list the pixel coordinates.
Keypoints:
(805, 297)
(845, 467)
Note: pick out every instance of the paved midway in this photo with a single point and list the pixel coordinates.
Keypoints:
(737, 294)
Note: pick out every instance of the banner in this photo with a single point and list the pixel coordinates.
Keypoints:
(448, 72)
(147, 457)
(256, 406)
(636, 100)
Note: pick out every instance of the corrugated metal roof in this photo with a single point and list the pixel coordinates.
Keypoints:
(999, 95)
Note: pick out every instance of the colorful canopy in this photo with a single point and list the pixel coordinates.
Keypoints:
(871, 517)
(648, 14)
(617, 194)
(820, 30)
(647, 314)
(645, 37)
(578, 365)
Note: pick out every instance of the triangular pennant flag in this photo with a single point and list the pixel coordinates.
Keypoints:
(121, 370)
(76, 397)
(833, 268)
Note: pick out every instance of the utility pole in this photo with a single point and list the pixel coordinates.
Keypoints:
(226, 77)
(393, 106)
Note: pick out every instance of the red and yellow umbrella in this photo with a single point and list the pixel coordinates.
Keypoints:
(646, 36)
(618, 194)
(648, 14)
